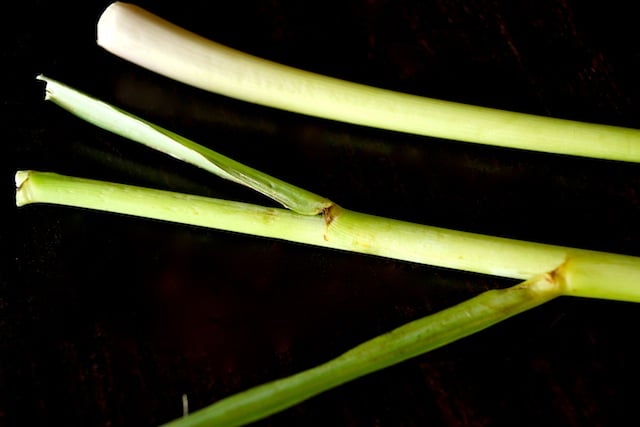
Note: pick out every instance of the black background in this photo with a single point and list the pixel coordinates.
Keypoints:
(107, 320)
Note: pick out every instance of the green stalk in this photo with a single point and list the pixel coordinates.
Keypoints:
(587, 273)
(151, 42)
(45, 187)
(130, 126)
(402, 343)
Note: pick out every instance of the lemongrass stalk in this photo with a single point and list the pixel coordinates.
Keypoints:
(130, 126)
(405, 342)
(46, 187)
(158, 45)
(587, 273)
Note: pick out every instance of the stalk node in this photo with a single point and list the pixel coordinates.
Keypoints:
(330, 213)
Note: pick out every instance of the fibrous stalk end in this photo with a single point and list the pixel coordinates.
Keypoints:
(22, 194)
(47, 92)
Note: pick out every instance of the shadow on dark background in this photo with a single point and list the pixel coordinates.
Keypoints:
(108, 320)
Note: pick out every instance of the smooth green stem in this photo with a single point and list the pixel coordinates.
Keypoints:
(46, 187)
(130, 126)
(151, 42)
(588, 273)
(402, 343)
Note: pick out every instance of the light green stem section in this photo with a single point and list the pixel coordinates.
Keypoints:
(151, 42)
(405, 342)
(588, 273)
(125, 124)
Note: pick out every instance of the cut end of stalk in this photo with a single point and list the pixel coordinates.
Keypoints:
(122, 28)
(47, 89)
(108, 20)
(22, 189)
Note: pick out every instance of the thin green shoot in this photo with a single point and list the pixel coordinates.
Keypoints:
(143, 38)
(130, 126)
(405, 342)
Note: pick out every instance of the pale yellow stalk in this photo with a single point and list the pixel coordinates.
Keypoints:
(158, 45)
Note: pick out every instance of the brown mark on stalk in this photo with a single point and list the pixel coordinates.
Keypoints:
(557, 276)
(330, 213)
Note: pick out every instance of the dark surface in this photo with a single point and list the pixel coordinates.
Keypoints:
(107, 320)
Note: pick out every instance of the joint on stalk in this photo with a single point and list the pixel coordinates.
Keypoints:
(330, 213)
(557, 276)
